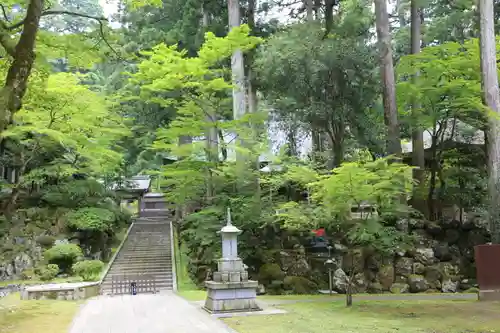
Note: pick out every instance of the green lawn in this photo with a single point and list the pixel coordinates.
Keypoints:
(376, 317)
(48, 316)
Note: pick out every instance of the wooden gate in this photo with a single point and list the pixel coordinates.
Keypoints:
(122, 284)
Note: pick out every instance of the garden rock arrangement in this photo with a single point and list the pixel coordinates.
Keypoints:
(441, 260)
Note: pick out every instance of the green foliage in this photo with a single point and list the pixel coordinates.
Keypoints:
(43, 125)
(90, 219)
(89, 270)
(378, 183)
(28, 274)
(48, 272)
(63, 255)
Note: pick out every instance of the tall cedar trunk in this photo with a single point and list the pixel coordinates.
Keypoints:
(387, 75)
(418, 157)
(212, 139)
(309, 10)
(252, 93)
(23, 55)
(239, 90)
(237, 64)
(183, 210)
(492, 98)
(329, 16)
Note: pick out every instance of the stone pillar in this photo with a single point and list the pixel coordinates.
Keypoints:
(230, 290)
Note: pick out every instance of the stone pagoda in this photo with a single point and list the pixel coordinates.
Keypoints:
(230, 290)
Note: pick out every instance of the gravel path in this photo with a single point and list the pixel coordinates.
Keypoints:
(160, 313)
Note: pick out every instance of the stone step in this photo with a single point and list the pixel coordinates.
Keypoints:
(106, 290)
(164, 256)
(139, 266)
(145, 255)
(141, 269)
(157, 276)
(159, 284)
(135, 264)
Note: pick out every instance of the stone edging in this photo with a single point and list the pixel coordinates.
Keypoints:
(173, 257)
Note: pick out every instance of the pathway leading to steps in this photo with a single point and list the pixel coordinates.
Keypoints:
(160, 313)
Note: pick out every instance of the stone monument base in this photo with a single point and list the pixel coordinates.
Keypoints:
(489, 295)
(224, 297)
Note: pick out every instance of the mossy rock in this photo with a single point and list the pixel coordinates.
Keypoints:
(400, 288)
(300, 285)
(45, 241)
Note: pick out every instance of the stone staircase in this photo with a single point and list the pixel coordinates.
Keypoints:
(147, 250)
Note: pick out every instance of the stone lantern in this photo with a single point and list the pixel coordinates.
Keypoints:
(230, 290)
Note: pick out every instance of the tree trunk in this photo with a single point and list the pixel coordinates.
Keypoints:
(492, 98)
(252, 92)
(237, 64)
(387, 75)
(418, 152)
(23, 55)
(211, 134)
(309, 10)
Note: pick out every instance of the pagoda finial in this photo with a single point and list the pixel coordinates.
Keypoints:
(229, 216)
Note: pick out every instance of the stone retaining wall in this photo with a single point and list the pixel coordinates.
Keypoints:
(71, 292)
(9, 289)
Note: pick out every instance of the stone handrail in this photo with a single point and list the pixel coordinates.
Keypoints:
(103, 275)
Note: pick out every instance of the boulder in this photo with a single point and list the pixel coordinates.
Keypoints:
(417, 283)
(359, 283)
(353, 260)
(385, 276)
(450, 223)
(403, 266)
(400, 288)
(375, 288)
(403, 225)
(416, 223)
(448, 270)
(21, 262)
(442, 252)
(433, 275)
(339, 281)
(433, 228)
(418, 268)
(449, 286)
(452, 236)
(425, 256)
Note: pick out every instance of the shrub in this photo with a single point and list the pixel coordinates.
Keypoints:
(63, 255)
(89, 270)
(300, 285)
(48, 272)
(45, 240)
(90, 219)
(28, 274)
(271, 276)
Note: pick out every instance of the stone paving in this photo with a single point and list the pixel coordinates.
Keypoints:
(160, 313)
